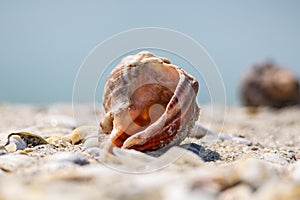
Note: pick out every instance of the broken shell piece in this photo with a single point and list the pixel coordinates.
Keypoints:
(12, 147)
(53, 139)
(149, 103)
(81, 134)
(25, 139)
(267, 84)
(20, 144)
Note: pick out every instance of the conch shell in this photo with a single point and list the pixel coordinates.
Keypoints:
(149, 103)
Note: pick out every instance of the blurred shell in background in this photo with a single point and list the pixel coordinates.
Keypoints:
(267, 84)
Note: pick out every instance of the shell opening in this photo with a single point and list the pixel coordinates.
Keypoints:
(147, 105)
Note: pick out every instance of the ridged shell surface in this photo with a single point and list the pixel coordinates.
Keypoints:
(149, 103)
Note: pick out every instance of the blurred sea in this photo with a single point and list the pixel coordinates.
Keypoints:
(44, 43)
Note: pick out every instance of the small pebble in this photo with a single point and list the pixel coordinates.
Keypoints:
(254, 148)
(71, 157)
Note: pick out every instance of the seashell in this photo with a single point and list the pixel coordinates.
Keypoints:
(25, 139)
(20, 144)
(149, 103)
(53, 139)
(81, 134)
(267, 84)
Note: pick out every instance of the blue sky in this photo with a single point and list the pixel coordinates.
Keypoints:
(42, 44)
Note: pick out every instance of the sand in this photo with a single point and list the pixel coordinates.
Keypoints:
(72, 168)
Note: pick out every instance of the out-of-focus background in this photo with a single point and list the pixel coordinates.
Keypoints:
(43, 43)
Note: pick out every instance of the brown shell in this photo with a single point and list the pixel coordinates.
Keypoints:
(149, 103)
(267, 84)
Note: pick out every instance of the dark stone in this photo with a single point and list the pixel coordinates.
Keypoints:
(79, 160)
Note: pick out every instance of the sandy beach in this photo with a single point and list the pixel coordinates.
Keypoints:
(69, 165)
